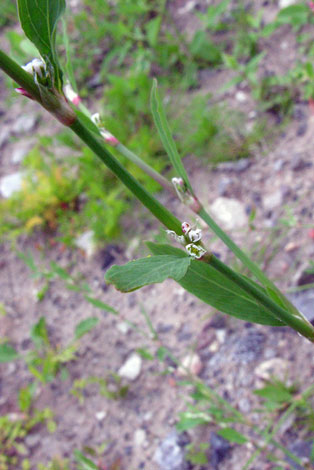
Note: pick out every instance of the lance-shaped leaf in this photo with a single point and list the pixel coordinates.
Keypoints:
(213, 288)
(7, 353)
(165, 135)
(39, 20)
(144, 271)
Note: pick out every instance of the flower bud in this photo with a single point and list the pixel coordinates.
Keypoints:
(109, 138)
(36, 66)
(23, 92)
(186, 227)
(195, 251)
(71, 95)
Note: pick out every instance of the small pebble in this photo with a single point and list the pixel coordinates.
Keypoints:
(100, 415)
(131, 369)
(191, 364)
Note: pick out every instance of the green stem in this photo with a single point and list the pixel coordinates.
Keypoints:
(297, 323)
(145, 167)
(154, 206)
(15, 71)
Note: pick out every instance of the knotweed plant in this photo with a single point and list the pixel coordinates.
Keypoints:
(190, 263)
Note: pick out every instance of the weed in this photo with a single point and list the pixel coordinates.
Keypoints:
(45, 360)
(14, 427)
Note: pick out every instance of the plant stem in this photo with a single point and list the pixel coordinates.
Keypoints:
(146, 168)
(15, 71)
(297, 323)
(152, 204)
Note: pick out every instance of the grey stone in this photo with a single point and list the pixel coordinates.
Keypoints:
(10, 184)
(24, 124)
(19, 152)
(249, 347)
(275, 367)
(131, 369)
(279, 164)
(300, 162)
(4, 135)
(86, 242)
(244, 405)
(224, 185)
(272, 200)
(219, 450)
(32, 440)
(237, 166)
(229, 212)
(169, 455)
(302, 449)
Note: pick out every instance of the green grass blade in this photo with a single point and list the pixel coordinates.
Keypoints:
(165, 135)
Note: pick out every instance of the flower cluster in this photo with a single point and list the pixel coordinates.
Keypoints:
(194, 235)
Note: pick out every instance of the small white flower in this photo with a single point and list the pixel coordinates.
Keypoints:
(35, 66)
(178, 238)
(177, 182)
(96, 119)
(195, 251)
(195, 235)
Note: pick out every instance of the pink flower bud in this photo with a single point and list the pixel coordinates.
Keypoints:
(23, 92)
(186, 227)
(109, 138)
(71, 95)
(311, 5)
(178, 182)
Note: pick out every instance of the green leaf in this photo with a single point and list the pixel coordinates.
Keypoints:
(145, 354)
(203, 48)
(62, 273)
(213, 288)
(144, 271)
(152, 30)
(192, 418)
(232, 435)
(296, 15)
(274, 392)
(39, 333)
(230, 61)
(99, 304)
(7, 353)
(165, 135)
(39, 20)
(85, 326)
(85, 463)
(25, 396)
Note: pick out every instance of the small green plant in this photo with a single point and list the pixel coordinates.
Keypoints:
(46, 360)
(281, 403)
(14, 427)
(110, 387)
